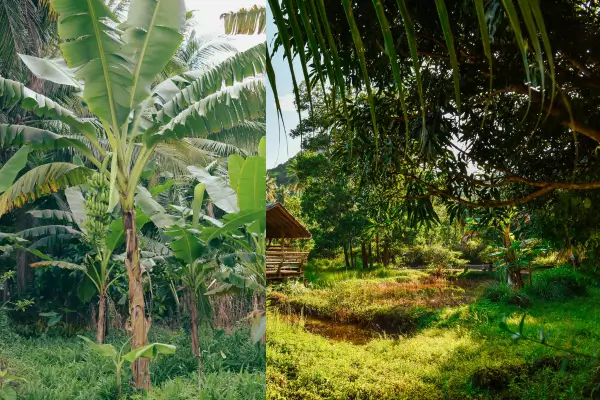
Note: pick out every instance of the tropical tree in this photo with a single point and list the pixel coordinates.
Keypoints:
(221, 256)
(115, 64)
(452, 85)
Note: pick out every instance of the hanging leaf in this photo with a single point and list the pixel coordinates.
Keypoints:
(219, 192)
(13, 166)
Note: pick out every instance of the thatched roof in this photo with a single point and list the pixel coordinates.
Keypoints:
(280, 223)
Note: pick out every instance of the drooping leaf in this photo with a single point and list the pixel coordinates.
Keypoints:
(47, 230)
(15, 93)
(58, 264)
(76, 204)
(445, 23)
(156, 212)
(234, 168)
(42, 181)
(13, 166)
(53, 70)
(232, 223)
(215, 113)
(197, 202)
(18, 135)
(221, 194)
(236, 69)
(390, 48)
(105, 350)
(245, 22)
(53, 215)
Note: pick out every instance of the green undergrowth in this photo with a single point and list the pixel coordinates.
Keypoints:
(462, 355)
(59, 368)
(395, 305)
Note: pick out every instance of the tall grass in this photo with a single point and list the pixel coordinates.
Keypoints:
(65, 369)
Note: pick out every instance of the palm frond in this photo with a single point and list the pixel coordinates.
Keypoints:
(246, 22)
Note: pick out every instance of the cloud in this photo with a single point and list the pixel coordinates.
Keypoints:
(287, 102)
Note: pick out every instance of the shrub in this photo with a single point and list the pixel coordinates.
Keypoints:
(558, 284)
(473, 251)
(434, 256)
(502, 293)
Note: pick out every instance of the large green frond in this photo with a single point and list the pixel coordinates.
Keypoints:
(14, 93)
(222, 110)
(42, 181)
(235, 69)
(59, 264)
(91, 43)
(57, 215)
(19, 135)
(152, 36)
(47, 230)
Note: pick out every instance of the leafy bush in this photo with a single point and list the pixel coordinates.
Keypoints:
(473, 251)
(558, 284)
(433, 256)
(551, 258)
(502, 293)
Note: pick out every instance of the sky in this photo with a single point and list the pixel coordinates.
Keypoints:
(280, 147)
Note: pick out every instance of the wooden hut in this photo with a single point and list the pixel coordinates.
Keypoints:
(284, 260)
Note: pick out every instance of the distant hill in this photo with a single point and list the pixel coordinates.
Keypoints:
(280, 173)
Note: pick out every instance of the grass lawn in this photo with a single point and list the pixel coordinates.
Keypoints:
(453, 350)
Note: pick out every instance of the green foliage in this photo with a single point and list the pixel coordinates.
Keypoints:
(118, 358)
(558, 284)
(461, 355)
(63, 369)
(433, 256)
(7, 392)
(502, 293)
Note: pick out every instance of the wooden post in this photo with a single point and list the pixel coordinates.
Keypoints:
(282, 257)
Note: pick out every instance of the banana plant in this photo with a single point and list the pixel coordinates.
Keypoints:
(119, 358)
(115, 64)
(220, 256)
(94, 221)
(6, 391)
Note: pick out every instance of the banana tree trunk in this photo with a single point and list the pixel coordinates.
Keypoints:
(193, 307)
(192, 302)
(101, 328)
(137, 314)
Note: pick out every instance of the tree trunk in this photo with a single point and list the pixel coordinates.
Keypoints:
(515, 278)
(377, 247)
(365, 257)
(346, 255)
(101, 328)
(193, 307)
(352, 256)
(192, 303)
(370, 254)
(137, 314)
(24, 271)
(386, 252)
